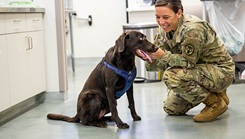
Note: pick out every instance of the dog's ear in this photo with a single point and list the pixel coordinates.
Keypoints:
(121, 42)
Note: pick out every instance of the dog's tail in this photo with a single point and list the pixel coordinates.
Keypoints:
(63, 118)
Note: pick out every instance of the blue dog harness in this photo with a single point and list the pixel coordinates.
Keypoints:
(128, 76)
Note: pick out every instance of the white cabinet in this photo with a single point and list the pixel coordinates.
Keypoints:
(15, 23)
(34, 26)
(4, 72)
(18, 67)
(25, 56)
(35, 55)
(34, 22)
(4, 79)
(2, 24)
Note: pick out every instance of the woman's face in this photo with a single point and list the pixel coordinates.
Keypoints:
(166, 18)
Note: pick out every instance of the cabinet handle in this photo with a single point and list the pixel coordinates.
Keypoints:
(35, 20)
(29, 42)
(17, 21)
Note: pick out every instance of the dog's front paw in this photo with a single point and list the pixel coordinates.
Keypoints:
(137, 118)
(123, 126)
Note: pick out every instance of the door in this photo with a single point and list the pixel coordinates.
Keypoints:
(108, 16)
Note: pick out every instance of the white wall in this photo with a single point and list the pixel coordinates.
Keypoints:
(89, 41)
(193, 7)
(108, 17)
(147, 13)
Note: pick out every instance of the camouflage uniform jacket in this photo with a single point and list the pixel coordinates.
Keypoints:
(194, 42)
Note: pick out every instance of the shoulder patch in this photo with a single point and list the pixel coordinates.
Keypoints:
(189, 49)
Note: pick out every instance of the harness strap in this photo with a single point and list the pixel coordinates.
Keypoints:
(128, 76)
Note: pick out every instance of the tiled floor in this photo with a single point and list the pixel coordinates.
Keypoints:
(149, 97)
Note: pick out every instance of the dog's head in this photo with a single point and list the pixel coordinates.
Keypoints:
(131, 41)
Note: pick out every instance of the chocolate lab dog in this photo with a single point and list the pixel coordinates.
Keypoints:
(110, 79)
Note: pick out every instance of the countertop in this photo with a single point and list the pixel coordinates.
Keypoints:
(21, 10)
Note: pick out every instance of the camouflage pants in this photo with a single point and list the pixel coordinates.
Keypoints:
(189, 87)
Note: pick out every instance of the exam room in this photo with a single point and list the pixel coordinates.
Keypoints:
(49, 48)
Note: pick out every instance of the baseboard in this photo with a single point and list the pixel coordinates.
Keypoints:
(85, 60)
(21, 108)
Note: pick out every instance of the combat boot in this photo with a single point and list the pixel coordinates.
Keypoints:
(224, 96)
(215, 106)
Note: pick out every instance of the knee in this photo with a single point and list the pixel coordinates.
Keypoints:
(167, 74)
(176, 107)
(170, 110)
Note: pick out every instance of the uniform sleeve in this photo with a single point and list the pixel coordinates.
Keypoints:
(161, 43)
(191, 47)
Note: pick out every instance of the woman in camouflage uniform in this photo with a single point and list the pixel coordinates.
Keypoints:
(196, 65)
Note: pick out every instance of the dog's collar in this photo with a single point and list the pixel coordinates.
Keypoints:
(128, 76)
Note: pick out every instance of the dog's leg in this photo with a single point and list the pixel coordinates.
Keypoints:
(91, 111)
(131, 106)
(113, 108)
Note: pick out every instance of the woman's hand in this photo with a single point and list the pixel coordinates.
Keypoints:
(157, 55)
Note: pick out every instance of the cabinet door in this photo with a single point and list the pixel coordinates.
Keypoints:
(15, 22)
(36, 63)
(4, 75)
(2, 24)
(18, 67)
(34, 22)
